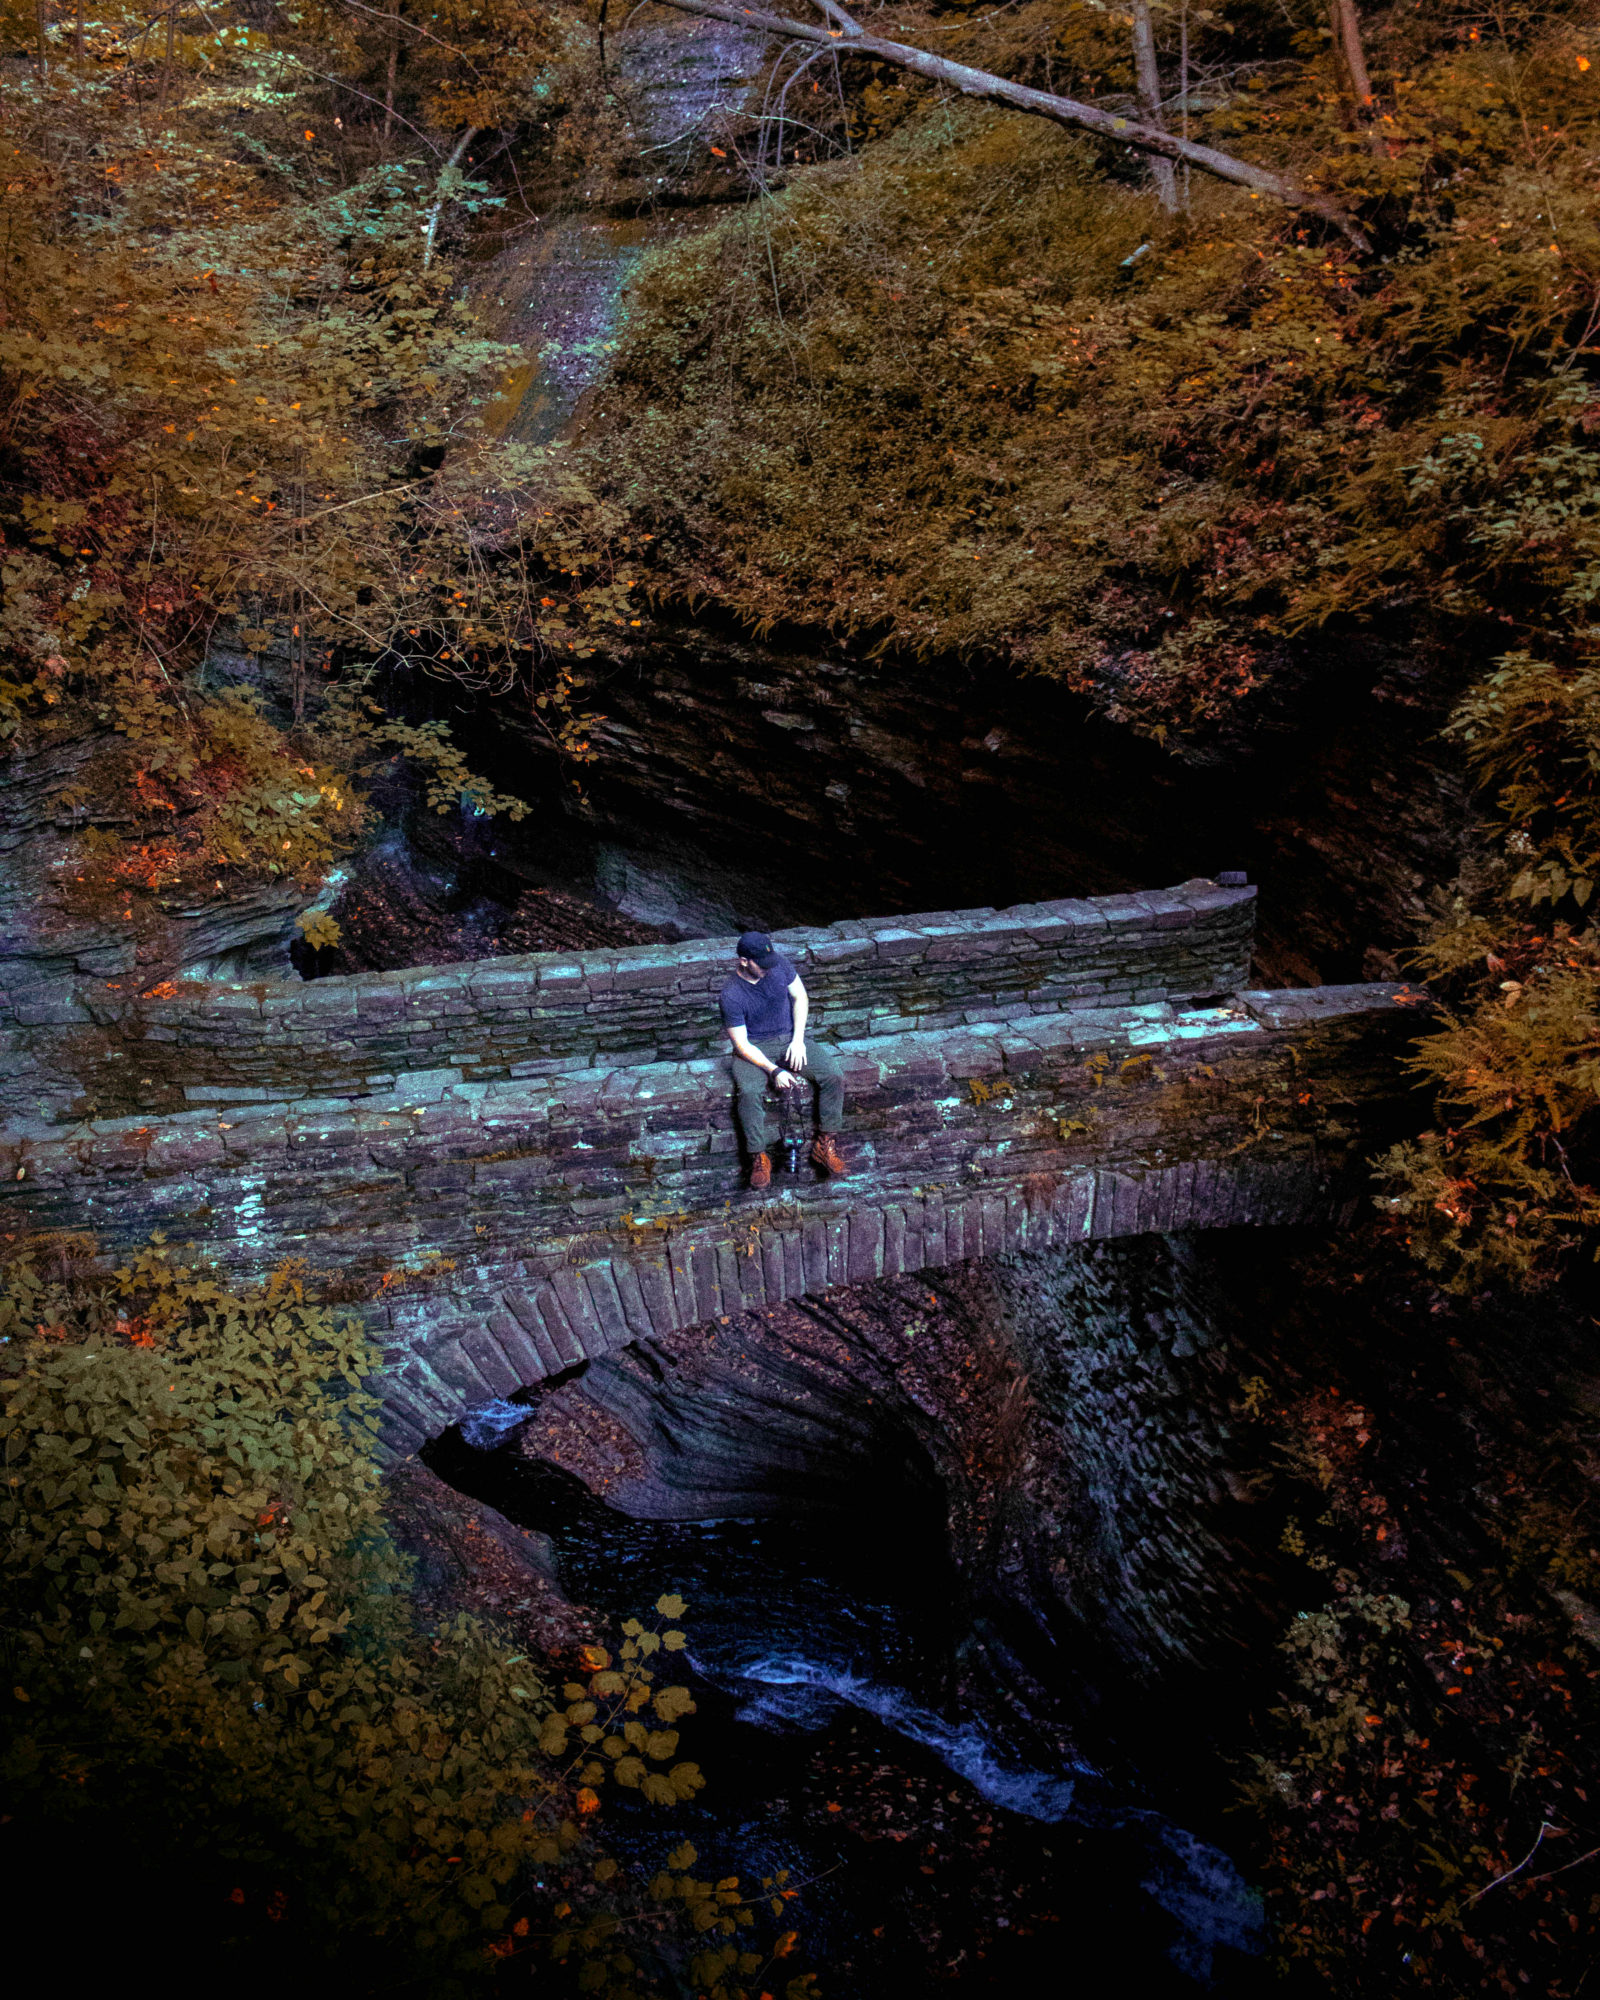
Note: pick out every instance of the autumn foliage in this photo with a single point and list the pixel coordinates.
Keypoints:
(211, 1640)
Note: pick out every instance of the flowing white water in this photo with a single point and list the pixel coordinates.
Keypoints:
(487, 1425)
(1197, 1885)
(797, 1693)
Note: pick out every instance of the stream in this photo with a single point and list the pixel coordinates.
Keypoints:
(824, 1655)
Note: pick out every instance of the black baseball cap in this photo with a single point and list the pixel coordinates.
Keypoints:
(758, 946)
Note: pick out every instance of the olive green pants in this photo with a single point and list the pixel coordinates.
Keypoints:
(757, 1094)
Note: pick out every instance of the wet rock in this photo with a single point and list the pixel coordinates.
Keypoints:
(469, 1557)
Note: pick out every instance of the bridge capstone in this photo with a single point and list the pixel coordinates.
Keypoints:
(521, 1164)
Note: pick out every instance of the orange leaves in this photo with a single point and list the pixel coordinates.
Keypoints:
(588, 1800)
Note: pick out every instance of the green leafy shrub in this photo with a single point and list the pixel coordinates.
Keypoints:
(209, 1636)
(208, 1623)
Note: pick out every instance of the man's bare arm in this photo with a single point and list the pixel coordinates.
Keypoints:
(795, 1054)
(739, 1035)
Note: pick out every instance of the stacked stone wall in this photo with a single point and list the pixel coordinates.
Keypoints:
(98, 1049)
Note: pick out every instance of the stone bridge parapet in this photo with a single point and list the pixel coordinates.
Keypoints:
(98, 1049)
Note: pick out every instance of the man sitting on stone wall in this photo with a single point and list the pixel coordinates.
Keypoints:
(765, 1008)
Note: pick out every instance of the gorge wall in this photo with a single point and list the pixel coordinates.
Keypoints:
(787, 781)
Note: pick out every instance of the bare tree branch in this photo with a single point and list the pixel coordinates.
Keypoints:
(849, 39)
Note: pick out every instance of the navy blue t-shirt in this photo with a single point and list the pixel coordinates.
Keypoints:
(764, 1009)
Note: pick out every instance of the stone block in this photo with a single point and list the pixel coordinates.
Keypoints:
(491, 1363)
(792, 1240)
(380, 1000)
(655, 1297)
(843, 951)
(599, 971)
(702, 1263)
(1209, 898)
(814, 1239)
(522, 1356)
(605, 1299)
(560, 979)
(657, 977)
(866, 1247)
(912, 1256)
(899, 944)
(679, 1275)
(456, 1370)
(524, 1309)
(730, 1278)
(836, 1230)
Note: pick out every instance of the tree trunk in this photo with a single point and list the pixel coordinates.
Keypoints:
(394, 63)
(603, 5)
(1352, 60)
(77, 36)
(166, 70)
(1147, 80)
(1183, 90)
(41, 23)
(849, 40)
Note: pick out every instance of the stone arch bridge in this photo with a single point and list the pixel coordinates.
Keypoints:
(526, 1162)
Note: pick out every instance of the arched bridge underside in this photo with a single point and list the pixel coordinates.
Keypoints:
(529, 1162)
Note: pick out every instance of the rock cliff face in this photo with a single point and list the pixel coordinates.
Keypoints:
(796, 783)
(46, 939)
(49, 940)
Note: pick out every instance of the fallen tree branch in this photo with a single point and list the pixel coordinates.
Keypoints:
(848, 38)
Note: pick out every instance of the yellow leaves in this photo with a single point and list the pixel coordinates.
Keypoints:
(672, 1703)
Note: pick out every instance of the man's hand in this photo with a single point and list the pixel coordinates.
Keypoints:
(784, 1080)
(795, 1054)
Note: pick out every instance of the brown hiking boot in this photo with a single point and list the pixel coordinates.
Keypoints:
(825, 1154)
(760, 1171)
